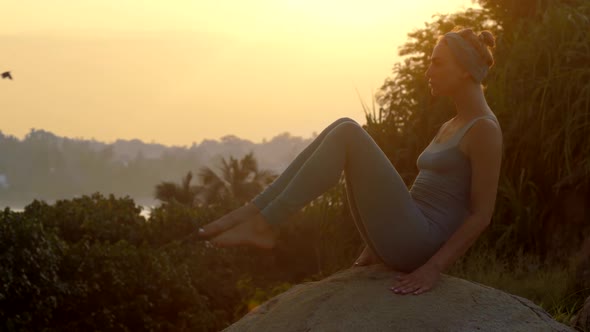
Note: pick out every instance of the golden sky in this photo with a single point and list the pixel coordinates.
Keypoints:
(179, 71)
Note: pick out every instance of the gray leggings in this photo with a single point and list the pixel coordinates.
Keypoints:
(384, 212)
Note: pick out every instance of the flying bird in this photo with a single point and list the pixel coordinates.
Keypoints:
(6, 74)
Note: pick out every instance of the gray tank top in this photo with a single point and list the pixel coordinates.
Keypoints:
(442, 187)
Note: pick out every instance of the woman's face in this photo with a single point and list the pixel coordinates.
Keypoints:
(444, 74)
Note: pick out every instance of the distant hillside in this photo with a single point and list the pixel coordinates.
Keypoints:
(46, 166)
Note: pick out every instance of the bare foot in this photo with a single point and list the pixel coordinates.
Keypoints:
(367, 257)
(228, 221)
(253, 231)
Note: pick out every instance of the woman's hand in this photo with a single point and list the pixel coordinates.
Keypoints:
(417, 282)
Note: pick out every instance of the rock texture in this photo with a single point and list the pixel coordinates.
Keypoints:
(359, 299)
(582, 319)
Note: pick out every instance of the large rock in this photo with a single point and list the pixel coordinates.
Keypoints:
(582, 318)
(359, 299)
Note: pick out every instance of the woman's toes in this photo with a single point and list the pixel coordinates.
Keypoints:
(366, 260)
(226, 239)
(218, 226)
(206, 231)
(361, 261)
(254, 232)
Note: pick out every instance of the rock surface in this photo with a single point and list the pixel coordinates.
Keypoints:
(359, 299)
(582, 319)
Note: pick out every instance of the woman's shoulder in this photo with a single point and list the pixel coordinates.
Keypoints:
(484, 133)
(487, 124)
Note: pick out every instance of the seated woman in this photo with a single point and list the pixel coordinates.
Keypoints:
(420, 231)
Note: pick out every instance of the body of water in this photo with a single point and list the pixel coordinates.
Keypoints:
(145, 211)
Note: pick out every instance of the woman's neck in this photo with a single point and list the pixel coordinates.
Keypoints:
(470, 103)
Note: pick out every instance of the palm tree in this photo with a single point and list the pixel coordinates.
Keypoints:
(184, 193)
(239, 182)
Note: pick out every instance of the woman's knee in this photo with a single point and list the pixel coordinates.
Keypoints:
(344, 119)
(349, 127)
(347, 131)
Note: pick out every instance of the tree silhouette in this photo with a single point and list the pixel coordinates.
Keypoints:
(184, 193)
(240, 181)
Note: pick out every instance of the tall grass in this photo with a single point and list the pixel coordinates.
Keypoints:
(552, 287)
(540, 90)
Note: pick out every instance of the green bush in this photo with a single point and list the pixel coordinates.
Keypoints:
(93, 218)
(30, 260)
(133, 288)
(93, 263)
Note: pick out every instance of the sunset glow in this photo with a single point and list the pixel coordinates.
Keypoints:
(181, 71)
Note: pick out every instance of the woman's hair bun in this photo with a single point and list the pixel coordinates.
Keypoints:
(483, 42)
(487, 38)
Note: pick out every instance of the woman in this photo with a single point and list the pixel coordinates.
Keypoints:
(421, 231)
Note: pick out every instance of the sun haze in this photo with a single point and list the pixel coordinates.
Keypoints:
(177, 72)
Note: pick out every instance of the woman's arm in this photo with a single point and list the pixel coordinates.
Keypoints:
(484, 148)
